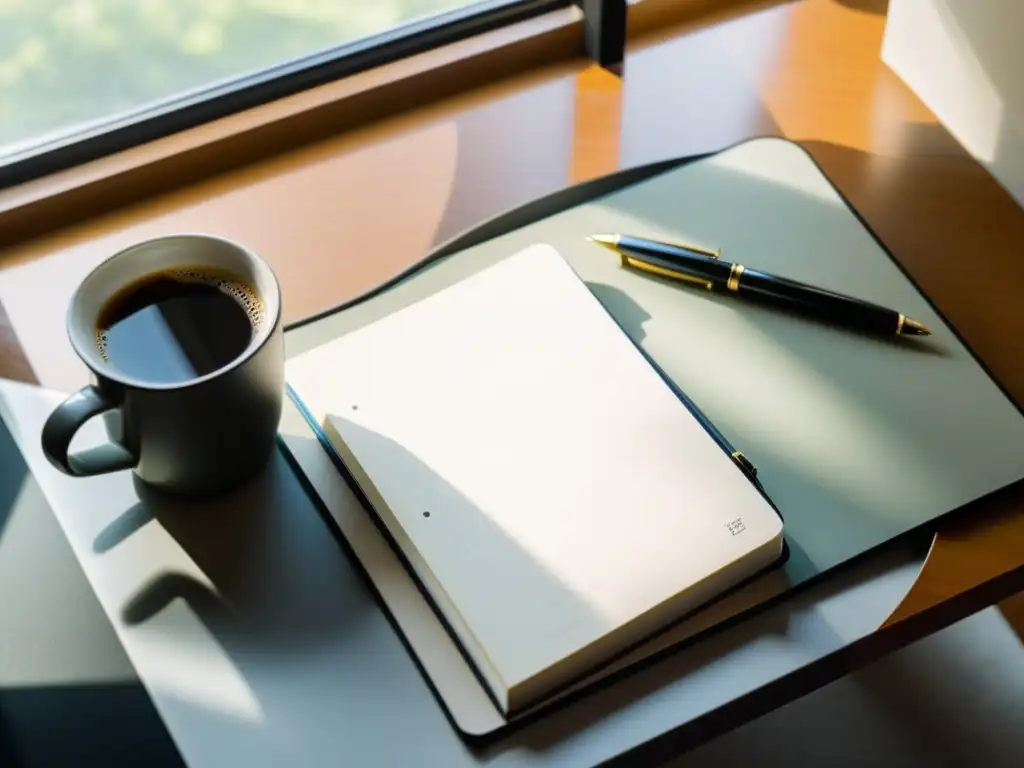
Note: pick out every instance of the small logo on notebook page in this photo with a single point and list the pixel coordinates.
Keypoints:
(736, 527)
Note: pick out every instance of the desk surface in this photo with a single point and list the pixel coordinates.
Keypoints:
(260, 643)
(324, 214)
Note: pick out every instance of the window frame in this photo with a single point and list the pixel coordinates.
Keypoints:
(72, 183)
(116, 133)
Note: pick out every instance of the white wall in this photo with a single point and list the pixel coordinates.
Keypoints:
(965, 60)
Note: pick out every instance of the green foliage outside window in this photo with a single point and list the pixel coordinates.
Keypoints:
(66, 62)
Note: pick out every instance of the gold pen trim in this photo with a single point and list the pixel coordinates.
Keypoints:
(611, 242)
(735, 273)
(908, 326)
(912, 327)
(656, 270)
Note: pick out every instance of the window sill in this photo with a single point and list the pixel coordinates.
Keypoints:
(91, 189)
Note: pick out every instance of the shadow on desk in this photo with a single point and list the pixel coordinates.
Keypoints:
(252, 595)
(84, 724)
(112, 725)
(13, 471)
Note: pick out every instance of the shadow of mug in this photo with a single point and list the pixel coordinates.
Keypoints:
(263, 589)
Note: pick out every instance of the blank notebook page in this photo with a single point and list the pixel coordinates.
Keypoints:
(551, 482)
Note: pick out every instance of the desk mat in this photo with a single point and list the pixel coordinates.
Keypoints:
(858, 440)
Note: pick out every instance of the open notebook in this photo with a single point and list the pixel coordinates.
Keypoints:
(555, 498)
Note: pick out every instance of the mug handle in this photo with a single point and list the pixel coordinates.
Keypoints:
(66, 420)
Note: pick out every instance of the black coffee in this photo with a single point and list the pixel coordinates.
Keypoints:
(176, 325)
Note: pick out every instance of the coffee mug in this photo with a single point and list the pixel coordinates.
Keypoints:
(191, 402)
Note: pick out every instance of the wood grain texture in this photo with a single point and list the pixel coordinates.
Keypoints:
(338, 215)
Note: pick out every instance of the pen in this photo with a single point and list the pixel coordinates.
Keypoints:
(703, 267)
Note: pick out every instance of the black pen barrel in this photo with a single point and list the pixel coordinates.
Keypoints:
(836, 307)
(677, 258)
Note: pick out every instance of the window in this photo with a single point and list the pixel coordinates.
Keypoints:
(83, 78)
(65, 63)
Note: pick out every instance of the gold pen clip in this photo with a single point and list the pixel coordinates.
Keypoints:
(656, 270)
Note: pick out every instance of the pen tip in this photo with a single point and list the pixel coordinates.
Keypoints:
(611, 242)
(915, 328)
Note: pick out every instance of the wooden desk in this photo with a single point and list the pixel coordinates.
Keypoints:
(337, 216)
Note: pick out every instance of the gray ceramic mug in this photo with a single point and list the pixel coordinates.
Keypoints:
(198, 436)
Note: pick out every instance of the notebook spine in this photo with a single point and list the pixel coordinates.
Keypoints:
(741, 461)
(745, 465)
